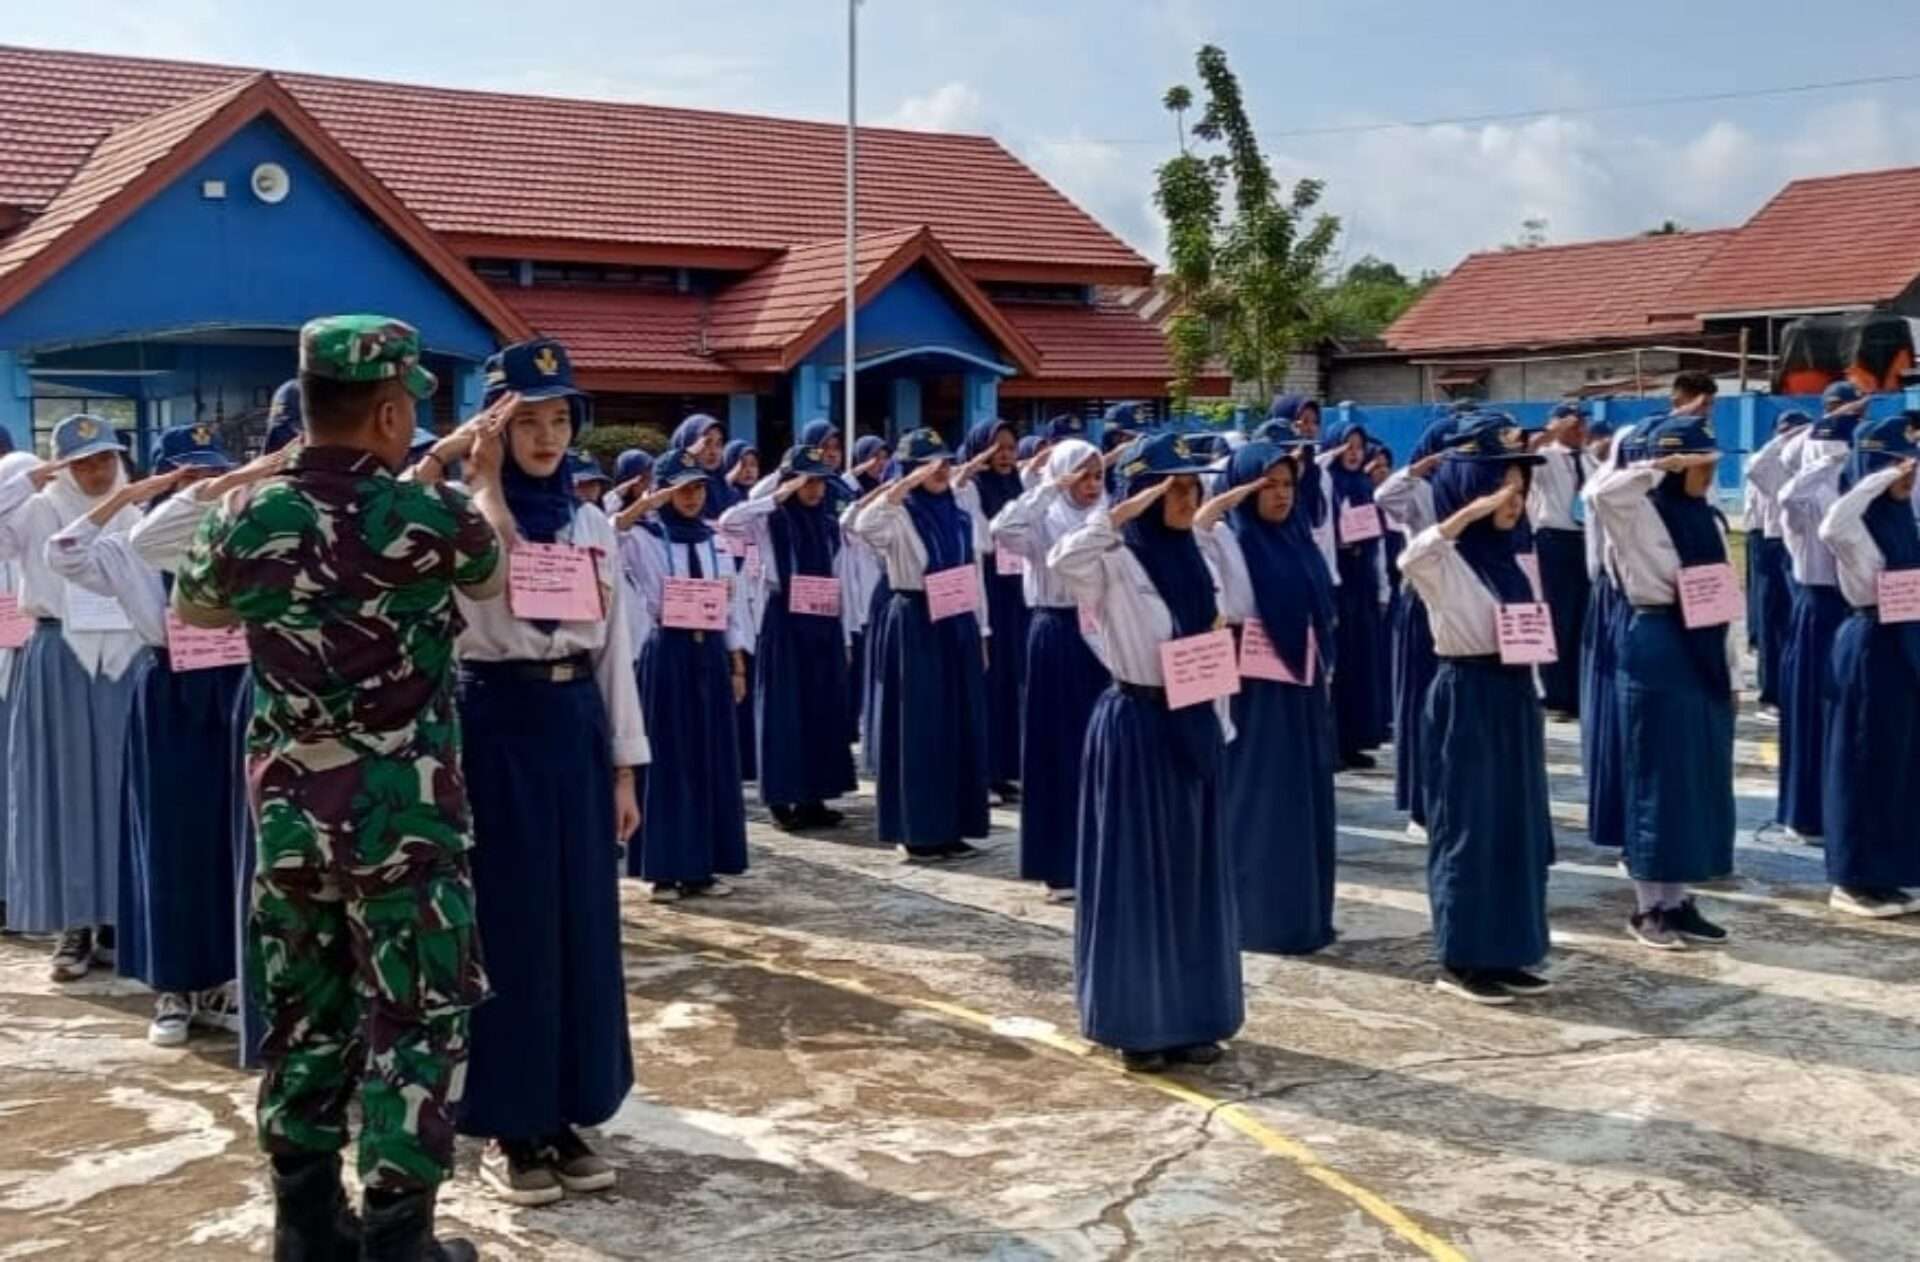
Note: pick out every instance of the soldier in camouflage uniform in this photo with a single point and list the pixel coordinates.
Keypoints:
(362, 927)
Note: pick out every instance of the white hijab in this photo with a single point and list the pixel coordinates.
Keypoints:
(11, 464)
(1063, 459)
(100, 652)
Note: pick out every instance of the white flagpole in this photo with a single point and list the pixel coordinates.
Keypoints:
(852, 181)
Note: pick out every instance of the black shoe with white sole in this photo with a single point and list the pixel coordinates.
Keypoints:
(1518, 981)
(1687, 921)
(1144, 1062)
(1474, 985)
(520, 1173)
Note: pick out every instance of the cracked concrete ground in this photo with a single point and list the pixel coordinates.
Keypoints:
(853, 1059)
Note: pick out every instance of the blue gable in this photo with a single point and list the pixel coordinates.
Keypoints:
(183, 261)
(912, 314)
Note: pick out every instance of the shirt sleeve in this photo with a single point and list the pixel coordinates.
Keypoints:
(1221, 548)
(102, 562)
(614, 674)
(1400, 500)
(14, 494)
(162, 537)
(1079, 559)
(202, 594)
(1844, 530)
(1017, 528)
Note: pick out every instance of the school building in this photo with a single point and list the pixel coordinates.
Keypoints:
(166, 227)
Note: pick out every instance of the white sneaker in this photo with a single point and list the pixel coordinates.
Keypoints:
(73, 957)
(1416, 830)
(1059, 897)
(1805, 839)
(1871, 906)
(716, 888)
(218, 1009)
(172, 1019)
(664, 893)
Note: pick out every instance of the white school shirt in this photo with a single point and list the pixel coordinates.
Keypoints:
(1599, 547)
(161, 537)
(1023, 529)
(654, 559)
(860, 568)
(28, 520)
(1405, 501)
(1804, 501)
(888, 528)
(1103, 574)
(104, 562)
(1856, 556)
(1461, 608)
(1322, 530)
(1550, 498)
(754, 518)
(494, 634)
(1768, 472)
(1644, 558)
(1233, 581)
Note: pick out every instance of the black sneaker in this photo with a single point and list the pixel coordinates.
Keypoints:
(785, 818)
(1474, 985)
(1518, 981)
(1357, 761)
(577, 1166)
(820, 815)
(1144, 1062)
(1197, 1054)
(1687, 921)
(961, 850)
(520, 1173)
(1008, 792)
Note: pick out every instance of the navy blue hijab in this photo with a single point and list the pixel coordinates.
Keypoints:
(945, 530)
(865, 449)
(686, 438)
(1488, 550)
(1291, 585)
(805, 539)
(997, 490)
(1173, 562)
(1693, 523)
(1891, 524)
(541, 507)
(1349, 486)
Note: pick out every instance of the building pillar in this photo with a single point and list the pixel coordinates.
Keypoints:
(16, 400)
(983, 397)
(905, 414)
(812, 396)
(743, 422)
(469, 390)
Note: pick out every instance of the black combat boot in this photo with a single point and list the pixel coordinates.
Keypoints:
(398, 1227)
(311, 1219)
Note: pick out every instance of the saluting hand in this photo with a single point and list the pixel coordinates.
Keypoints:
(1424, 466)
(648, 503)
(485, 451)
(1134, 505)
(786, 489)
(1682, 461)
(40, 475)
(1034, 463)
(1220, 505)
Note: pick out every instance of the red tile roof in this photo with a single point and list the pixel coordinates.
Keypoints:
(1556, 295)
(1836, 241)
(622, 331)
(1107, 350)
(607, 172)
(778, 303)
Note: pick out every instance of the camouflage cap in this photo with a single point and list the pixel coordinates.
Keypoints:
(365, 348)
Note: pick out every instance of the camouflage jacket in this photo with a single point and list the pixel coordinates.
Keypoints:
(344, 578)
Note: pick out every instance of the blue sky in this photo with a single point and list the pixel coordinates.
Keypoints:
(1074, 87)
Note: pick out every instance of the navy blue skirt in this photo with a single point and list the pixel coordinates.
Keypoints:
(1156, 947)
(1361, 641)
(1280, 817)
(693, 824)
(743, 718)
(1006, 672)
(1563, 578)
(175, 930)
(932, 740)
(1873, 751)
(551, 1048)
(1818, 612)
(856, 685)
(1414, 665)
(1489, 833)
(802, 691)
(1771, 603)
(1602, 753)
(874, 654)
(253, 1022)
(1677, 735)
(1064, 681)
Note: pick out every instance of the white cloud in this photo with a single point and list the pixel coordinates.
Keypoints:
(953, 106)
(1112, 183)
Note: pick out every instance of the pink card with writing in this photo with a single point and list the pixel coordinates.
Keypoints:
(1260, 660)
(1899, 595)
(1529, 563)
(1008, 564)
(1709, 596)
(1089, 621)
(694, 604)
(952, 591)
(1524, 631)
(1199, 668)
(555, 582)
(1359, 523)
(812, 594)
(192, 648)
(15, 627)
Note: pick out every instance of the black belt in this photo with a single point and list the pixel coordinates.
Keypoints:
(1668, 610)
(563, 670)
(1142, 692)
(1563, 530)
(47, 622)
(1472, 659)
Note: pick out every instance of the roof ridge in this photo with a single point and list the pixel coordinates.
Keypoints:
(1637, 238)
(1836, 176)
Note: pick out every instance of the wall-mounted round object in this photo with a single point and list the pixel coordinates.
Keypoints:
(271, 183)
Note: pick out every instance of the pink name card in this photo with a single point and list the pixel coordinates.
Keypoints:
(1359, 523)
(1524, 631)
(754, 567)
(554, 582)
(1008, 564)
(1089, 622)
(1709, 596)
(15, 627)
(195, 648)
(1529, 563)
(1199, 668)
(952, 591)
(812, 594)
(694, 604)
(1899, 595)
(1260, 660)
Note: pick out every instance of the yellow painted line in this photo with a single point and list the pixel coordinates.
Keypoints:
(1370, 1203)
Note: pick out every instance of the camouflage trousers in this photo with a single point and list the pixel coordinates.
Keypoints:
(367, 976)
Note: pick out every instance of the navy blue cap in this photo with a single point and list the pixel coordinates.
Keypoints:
(1280, 434)
(1492, 436)
(81, 435)
(1571, 408)
(286, 408)
(1836, 427)
(677, 468)
(1896, 436)
(1790, 418)
(1839, 394)
(1679, 436)
(586, 468)
(807, 460)
(632, 463)
(539, 369)
(1159, 456)
(197, 445)
(1065, 426)
(1601, 427)
(920, 445)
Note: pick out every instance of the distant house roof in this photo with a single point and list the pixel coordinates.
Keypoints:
(1835, 241)
(1594, 292)
(1107, 349)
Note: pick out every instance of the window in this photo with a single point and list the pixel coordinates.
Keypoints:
(50, 410)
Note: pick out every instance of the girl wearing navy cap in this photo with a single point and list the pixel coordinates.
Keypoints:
(1156, 934)
(1279, 811)
(1483, 737)
(1602, 736)
(175, 930)
(703, 439)
(1065, 673)
(930, 703)
(552, 736)
(1676, 683)
(73, 698)
(996, 482)
(1356, 706)
(1873, 731)
(802, 658)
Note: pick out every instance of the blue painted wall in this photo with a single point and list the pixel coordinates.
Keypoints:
(182, 262)
(912, 312)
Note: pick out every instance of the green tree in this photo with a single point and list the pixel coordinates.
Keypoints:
(1368, 297)
(1247, 259)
